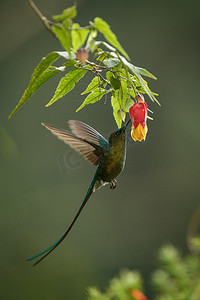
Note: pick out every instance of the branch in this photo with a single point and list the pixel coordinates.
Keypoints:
(42, 18)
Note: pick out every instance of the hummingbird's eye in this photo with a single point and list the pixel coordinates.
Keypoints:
(117, 133)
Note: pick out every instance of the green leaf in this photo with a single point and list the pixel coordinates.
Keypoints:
(79, 36)
(66, 84)
(111, 62)
(122, 94)
(40, 75)
(146, 73)
(70, 63)
(64, 36)
(90, 41)
(93, 97)
(68, 13)
(116, 108)
(104, 28)
(94, 84)
(136, 73)
(113, 81)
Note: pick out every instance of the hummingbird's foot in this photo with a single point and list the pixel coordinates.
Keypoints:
(113, 184)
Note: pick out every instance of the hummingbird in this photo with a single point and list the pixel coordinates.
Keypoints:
(108, 155)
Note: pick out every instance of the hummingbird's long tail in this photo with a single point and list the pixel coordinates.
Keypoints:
(51, 248)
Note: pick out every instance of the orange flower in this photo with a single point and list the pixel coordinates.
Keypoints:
(138, 115)
(138, 295)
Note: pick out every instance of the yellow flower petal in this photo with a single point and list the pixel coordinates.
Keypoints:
(139, 133)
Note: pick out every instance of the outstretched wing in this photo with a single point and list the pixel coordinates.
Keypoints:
(80, 145)
(88, 133)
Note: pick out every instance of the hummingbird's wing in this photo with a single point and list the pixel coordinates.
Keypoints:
(83, 147)
(88, 133)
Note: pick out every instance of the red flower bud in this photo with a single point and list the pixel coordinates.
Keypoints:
(82, 55)
(138, 115)
(138, 295)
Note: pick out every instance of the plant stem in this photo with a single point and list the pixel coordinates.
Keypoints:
(42, 18)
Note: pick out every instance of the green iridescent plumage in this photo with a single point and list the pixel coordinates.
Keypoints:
(109, 156)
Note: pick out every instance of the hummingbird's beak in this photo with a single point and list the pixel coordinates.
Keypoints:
(126, 124)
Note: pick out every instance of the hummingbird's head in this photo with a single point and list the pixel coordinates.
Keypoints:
(118, 135)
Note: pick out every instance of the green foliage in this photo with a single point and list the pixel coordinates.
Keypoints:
(178, 278)
(79, 36)
(104, 28)
(195, 244)
(64, 36)
(66, 84)
(41, 74)
(68, 13)
(112, 71)
(93, 97)
(119, 288)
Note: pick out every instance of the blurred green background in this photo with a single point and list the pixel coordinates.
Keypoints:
(43, 182)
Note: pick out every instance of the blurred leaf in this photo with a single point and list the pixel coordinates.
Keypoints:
(95, 294)
(104, 28)
(122, 285)
(66, 84)
(93, 97)
(68, 13)
(40, 75)
(64, 36)
(79, 36)
(93, 85)
(111, 62)
(195, 244)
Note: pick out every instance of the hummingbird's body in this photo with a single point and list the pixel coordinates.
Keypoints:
(109, 156)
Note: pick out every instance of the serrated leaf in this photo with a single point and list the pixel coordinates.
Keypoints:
(68, 13)
(93, 97)
(66, 84)
(104, 28)
(93, 85)
(40, 75)
(64, 36)
(116, 108)
(79, 36)
(111, 62)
